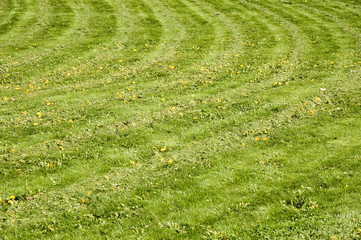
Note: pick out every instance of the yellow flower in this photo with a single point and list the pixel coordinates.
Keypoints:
(134, 50)
(170, 161)
(256, 138)
(163, 149)
(82, 201)
(171, 67)
(264, 139)
(12, 197)
(5, 98)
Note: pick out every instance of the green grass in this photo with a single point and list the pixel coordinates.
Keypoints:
(180, 119)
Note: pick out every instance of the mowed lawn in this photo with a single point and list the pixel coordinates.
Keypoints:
(180, 119)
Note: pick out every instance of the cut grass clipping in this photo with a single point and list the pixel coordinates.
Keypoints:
(180, 119)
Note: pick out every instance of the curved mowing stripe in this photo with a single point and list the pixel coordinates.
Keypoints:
(145, 113)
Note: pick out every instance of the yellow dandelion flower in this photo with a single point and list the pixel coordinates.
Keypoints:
(256, 138)
(134, 50)
(171, 67)
(163, 149)
(5, 98)
(12, 197)
(170, 161)
(264, 139)
(35, 124)
(82, 201)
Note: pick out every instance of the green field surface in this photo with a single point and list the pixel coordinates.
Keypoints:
(180, 119)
